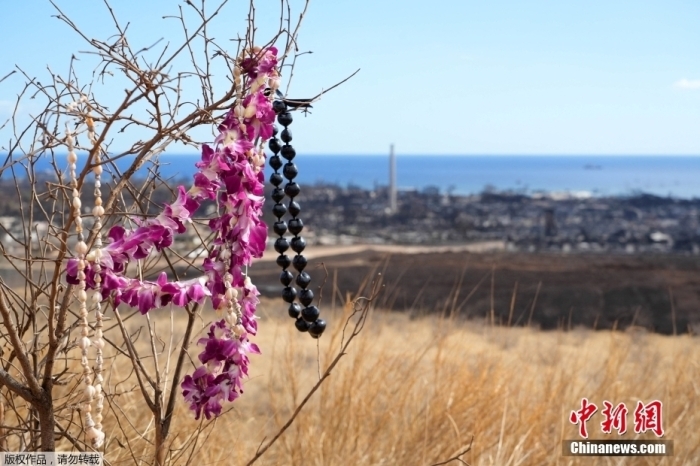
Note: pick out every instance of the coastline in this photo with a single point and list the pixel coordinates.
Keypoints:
(469, 174)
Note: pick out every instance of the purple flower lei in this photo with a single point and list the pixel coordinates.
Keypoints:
(230, 172)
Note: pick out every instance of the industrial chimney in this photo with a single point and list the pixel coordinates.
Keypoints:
(392, 180)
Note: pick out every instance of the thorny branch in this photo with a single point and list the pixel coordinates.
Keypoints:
(160, 103)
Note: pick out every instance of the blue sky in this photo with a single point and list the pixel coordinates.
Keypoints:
(443, 76)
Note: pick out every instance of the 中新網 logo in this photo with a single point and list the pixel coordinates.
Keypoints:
(647, 417)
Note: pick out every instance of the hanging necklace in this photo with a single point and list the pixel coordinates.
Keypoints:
(306, 318)
(92, 377)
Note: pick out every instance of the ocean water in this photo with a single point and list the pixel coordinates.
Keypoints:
(676, 176)
(597, 175)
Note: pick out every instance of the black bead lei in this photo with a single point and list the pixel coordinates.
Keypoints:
(306, 317)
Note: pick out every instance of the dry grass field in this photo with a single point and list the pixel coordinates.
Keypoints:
(417, 392)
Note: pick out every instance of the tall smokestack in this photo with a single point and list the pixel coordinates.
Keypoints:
(392, 180)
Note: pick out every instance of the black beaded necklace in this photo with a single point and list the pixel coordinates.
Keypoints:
(306, 318)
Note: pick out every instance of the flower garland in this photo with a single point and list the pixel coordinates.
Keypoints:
(230, 172)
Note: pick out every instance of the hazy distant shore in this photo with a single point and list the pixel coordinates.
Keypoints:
(593, 175)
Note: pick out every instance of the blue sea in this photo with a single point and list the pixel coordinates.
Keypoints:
(598, 175)
(675, 176)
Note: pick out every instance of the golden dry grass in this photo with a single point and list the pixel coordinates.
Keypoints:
(415, 392)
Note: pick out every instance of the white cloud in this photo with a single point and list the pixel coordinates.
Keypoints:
(687, 84)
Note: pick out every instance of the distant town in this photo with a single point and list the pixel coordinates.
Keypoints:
(556, 222)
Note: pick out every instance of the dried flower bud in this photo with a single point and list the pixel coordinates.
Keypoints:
(250, 111)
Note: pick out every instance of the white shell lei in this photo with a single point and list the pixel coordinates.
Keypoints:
(98, 435)
(93, 392)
